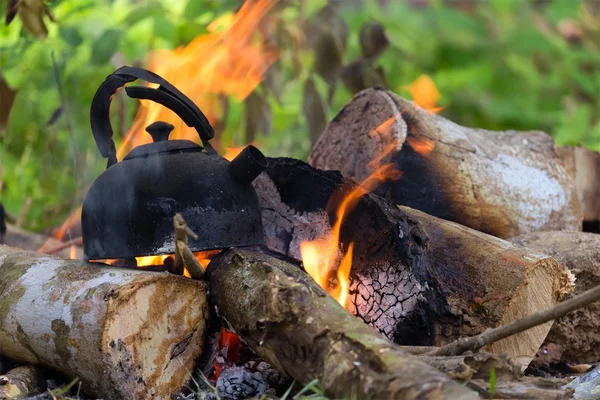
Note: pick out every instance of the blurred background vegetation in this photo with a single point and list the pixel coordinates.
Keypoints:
(498, 64)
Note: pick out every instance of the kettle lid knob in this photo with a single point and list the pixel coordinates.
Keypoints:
(159, 131)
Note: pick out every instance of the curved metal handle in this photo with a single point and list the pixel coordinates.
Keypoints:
(166, 94)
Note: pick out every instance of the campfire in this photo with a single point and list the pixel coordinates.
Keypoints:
(409, 257)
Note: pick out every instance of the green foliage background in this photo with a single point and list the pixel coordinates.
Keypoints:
(504, 64)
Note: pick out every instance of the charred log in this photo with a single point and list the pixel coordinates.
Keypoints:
(417, 279)
(293, 324)
(576, 335)
(124, 333)
(501, 183)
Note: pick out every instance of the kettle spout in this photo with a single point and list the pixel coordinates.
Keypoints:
(247, 165)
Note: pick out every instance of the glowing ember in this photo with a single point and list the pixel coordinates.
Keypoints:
(425, 93)
(230, 60)
(322, 256)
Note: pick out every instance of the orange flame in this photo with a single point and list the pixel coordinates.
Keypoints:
(64, 230)
(73, 252)
(321, 257)
(425, 93)
(230, 60)
(421, 145)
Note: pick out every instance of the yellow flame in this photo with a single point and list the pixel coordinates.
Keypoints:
(425, 93)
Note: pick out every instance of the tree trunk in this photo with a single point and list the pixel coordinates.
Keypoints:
(124, 333)
(501, 183)
(416, 279)
(293, 324)
(577, 333)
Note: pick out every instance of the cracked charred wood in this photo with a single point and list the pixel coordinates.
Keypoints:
(124, 333)
(577, 334)
(22, 382)
(501, 183)
(583, 165)
(417, 279)
(287, 319)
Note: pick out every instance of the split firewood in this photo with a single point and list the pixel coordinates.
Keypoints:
(22, 382)
(183, 255)
(493, 335)
(576, 335)
(501, 183)
(293, 324)
(583, 165)
(124, 333)
(417, 279)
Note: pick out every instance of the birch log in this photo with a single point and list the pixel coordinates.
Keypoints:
(415, 278)
(124, 333)
(501, 183)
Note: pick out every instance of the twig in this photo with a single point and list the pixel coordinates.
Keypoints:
(493, 335)
(24, 211)
(78, 241)
(181, 235)
(191, 263)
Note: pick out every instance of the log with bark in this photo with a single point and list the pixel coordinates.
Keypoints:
(417, 279)
(292, 323)
(124, 333)
(502, 183)
(583, 165)
(576, 336)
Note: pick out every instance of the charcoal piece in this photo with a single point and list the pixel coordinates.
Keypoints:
(238, 383)
(273, 378)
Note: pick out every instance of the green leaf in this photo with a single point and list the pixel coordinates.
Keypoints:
(105, 46)
(492, 382)
(71, 35)
(142, 12)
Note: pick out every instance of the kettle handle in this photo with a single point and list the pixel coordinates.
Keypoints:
(166, 94)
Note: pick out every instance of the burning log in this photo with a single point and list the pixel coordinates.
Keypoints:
(578, 333)
(501, 183)
(291, 322)
(124, 333)
(415, 278)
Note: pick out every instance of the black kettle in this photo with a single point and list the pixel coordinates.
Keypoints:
(129, 209)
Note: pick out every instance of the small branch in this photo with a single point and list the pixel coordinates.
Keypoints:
(493, 335)
(181, 235)
(191, 263)
(78, 241)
